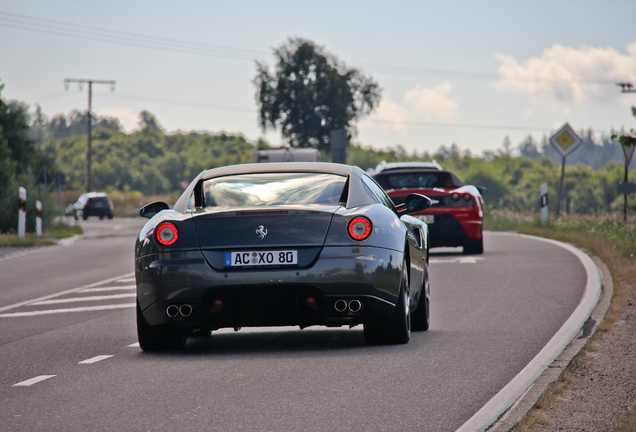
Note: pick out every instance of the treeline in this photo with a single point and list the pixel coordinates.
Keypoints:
(151, 161)
(593, 152)
(148, 160)
(514, 182)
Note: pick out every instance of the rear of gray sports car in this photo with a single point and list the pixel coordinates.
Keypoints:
(261, 246)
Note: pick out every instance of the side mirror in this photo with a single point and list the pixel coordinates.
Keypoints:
(414, 203)
(482, 190)
(152, 209)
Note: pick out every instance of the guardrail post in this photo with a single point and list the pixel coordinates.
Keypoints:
(38, 218)
(22, 213)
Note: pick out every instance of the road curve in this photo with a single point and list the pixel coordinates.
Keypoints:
(516, 388)
(70, 365)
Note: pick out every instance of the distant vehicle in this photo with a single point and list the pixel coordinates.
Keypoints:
(282, 244)
(286, 155)
(91, 204)
(456, 216)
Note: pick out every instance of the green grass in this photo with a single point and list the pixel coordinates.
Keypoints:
(58, 231)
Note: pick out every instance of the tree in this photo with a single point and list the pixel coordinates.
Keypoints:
(312, 93)
(20, 163)
(147, 120)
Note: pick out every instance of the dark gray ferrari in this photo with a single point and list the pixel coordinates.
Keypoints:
(282, 244)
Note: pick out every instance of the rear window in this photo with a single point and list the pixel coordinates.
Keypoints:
(269, 189)
(418, 180)
(103, 200)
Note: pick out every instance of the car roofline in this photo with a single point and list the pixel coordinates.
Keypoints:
(318, 167)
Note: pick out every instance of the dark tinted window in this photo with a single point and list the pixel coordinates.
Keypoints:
(266, 189)
(417, 180)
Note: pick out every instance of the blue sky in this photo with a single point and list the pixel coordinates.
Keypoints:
(451, 72)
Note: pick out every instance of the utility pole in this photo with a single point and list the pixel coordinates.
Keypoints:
(90, 83)
(626, 87)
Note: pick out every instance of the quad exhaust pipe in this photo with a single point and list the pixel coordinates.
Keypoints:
(342, 305)
(173, 311)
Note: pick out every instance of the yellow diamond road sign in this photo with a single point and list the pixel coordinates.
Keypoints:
(565, 140)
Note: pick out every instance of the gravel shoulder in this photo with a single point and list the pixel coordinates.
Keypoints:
(602, 390)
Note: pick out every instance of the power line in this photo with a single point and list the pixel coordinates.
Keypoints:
(463, 125)
(446, 73)
(100, 34)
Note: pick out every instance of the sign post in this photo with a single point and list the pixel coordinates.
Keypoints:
(628, 151)
(565, 141)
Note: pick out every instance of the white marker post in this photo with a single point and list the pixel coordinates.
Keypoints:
(544, 205)
(38, 218)
(22, 213)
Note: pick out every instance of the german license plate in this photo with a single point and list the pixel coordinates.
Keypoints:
(261, 258)
(429, 219)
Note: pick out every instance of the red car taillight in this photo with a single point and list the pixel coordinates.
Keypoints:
(455, 196)
(167, 234)
(359, 228)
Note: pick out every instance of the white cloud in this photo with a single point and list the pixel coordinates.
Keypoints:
(393, 116)
(568, 74)
(419, 105)
(128, 119)
(431, 104)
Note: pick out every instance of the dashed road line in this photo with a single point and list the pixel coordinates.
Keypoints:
(83, 299)
(109, 288)
(95, 359)
(127, 280)
(67, 310)
(32, 381)
(463, 260)
(71, 291)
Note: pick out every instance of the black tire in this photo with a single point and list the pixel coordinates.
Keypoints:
(474, 248)
(158, 338)
(421, 317)
(397, 329)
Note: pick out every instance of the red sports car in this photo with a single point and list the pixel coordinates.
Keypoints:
(456, 217)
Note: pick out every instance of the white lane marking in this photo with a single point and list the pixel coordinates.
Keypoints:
(59, 311)
(133, 345)
(519, 385)
(110, 288)
(24, 303)
(32, 381)
(20, 254)
(83, 299)
(95, 359)
(127, 280)
(463, 260)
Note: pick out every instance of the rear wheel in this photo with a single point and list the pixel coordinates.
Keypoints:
(475, 248)
(397, 329)
(158, 338)
(421, 315)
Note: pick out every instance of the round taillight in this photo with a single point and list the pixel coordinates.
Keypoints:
(455, 196)
(167, 234)
(466, 196)
(359, 228)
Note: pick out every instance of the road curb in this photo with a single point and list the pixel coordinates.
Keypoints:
(512, 402)
(514, 415)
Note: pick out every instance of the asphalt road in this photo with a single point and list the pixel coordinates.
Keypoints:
(70, 360)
